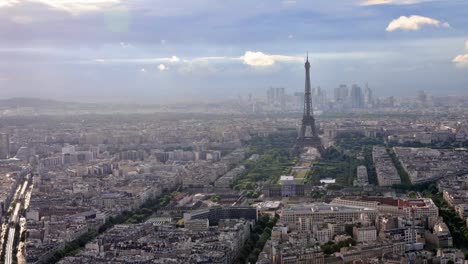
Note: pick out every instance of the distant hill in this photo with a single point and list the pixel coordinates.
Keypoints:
(30, 102)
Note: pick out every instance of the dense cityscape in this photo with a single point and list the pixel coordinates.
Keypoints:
(234, 132)
(372, 181)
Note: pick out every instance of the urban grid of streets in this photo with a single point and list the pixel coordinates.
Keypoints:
(92, 168)
(14, 218)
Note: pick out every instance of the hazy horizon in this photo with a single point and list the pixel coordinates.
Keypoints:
(158, 51)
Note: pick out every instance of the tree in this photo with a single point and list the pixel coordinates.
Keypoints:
(215, 198)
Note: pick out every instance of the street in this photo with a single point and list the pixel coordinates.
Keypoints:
(18, 200)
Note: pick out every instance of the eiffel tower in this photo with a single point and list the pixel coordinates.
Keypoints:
(308, 137)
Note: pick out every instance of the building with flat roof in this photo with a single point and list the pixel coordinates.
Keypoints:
(362, 179)
(197, 225)
(288, 186)
(307, 214)
(418, 208)
(365, 233)
(387, 174)
(214, 214)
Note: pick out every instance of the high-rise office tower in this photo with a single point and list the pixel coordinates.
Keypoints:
(422, 98)
(299, 100)
(270, 96)
(4, 146)
(357, 98)
(318, 97)
(276, 97)
(368, 96)
(341, 93)
(280, 98)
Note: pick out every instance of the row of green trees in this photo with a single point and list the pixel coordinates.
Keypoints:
(341, 161)
(331, 247)
(276, 141)
(334, 164)
(456, 225)
(405, 179)
(128, 217)
(73, 247)
(268, 168)
(435, 145)
(369, 163)
(16, 241)
(260, 234)
(354, 142)
(428, 189)
(275, 160)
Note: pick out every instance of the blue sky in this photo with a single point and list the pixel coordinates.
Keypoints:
(158, 50)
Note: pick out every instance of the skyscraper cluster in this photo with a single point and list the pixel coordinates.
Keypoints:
(343, 97)
(356, 97)
(276, 97)
(319, 97)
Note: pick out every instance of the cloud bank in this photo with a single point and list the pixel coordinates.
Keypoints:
(413, 23)
(74, 7)
(251, 58)
(391, 2)
(260, 59)
(461, 60)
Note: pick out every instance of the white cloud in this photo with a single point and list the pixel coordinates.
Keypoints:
(174, 59)
(260, 59)
(162, 67)
(251, 58)
(391, 2)
(461, 60)
(414, 23)
(8, 3)
(466, 44)
(71, 6)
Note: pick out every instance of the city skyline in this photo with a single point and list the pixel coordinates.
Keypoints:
(141, 51)
(233, 132)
